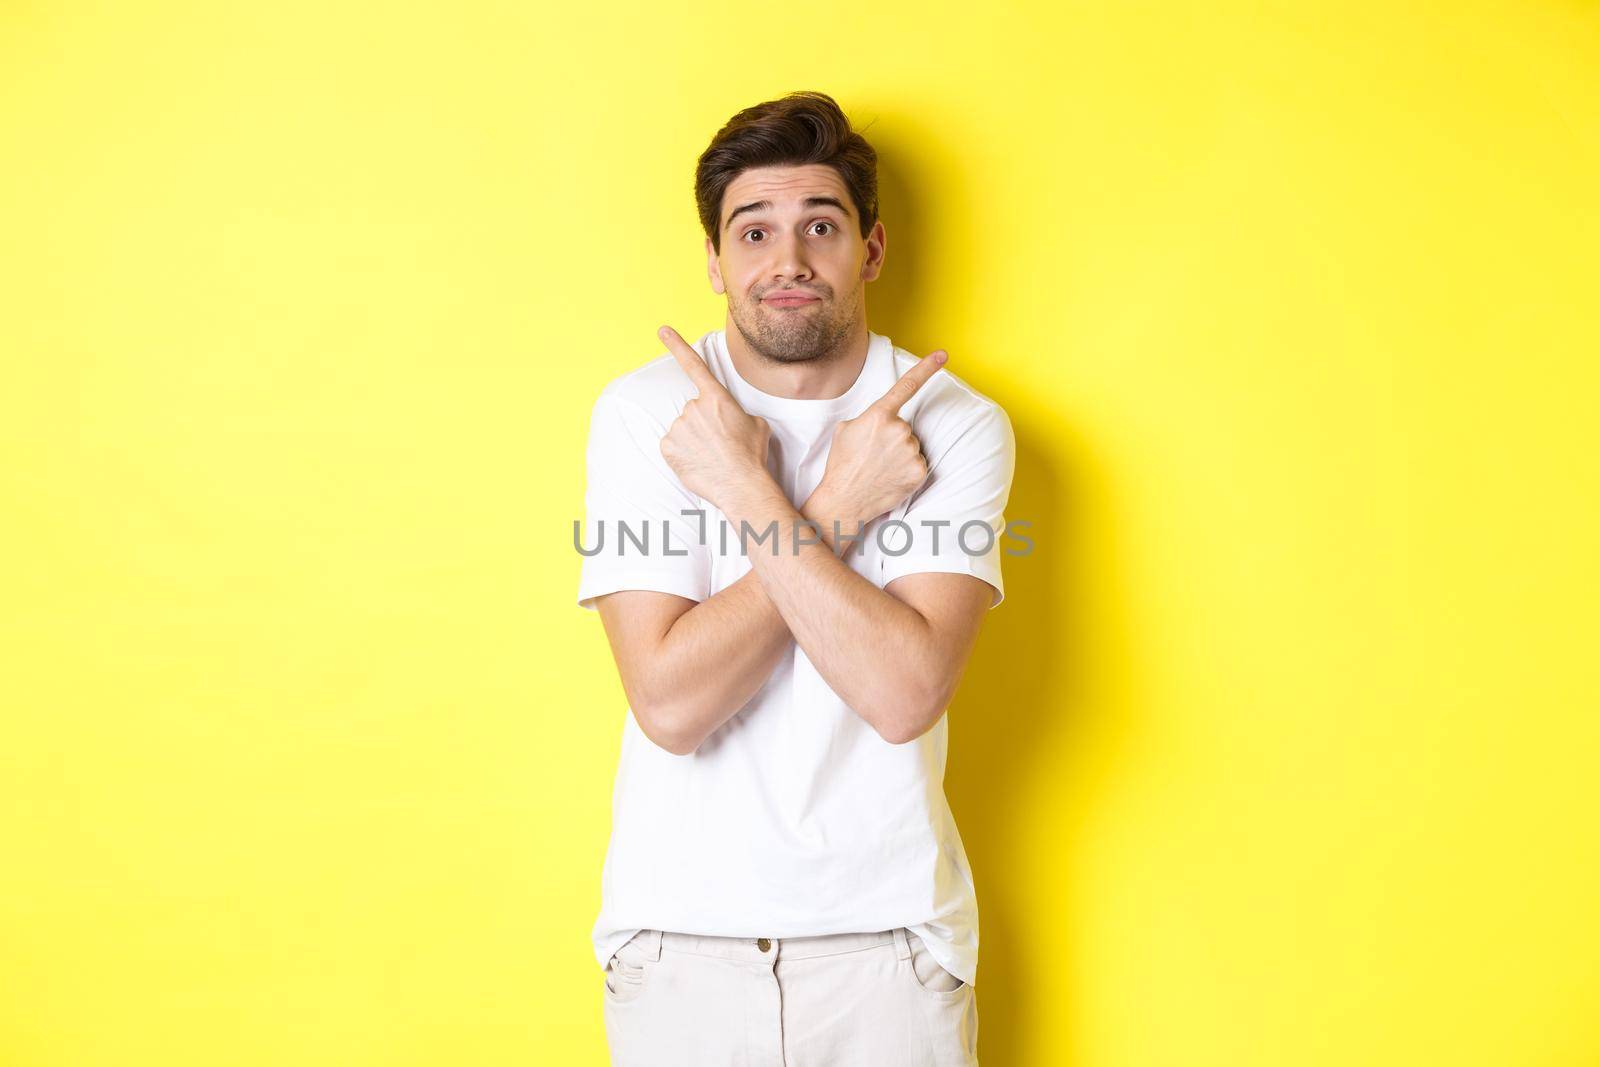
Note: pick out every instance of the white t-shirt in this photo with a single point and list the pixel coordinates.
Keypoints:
(794, 818)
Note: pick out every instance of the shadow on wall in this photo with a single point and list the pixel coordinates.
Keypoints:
(1020, 722)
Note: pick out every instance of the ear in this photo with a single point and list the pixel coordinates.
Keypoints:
(714, 269)
(873, 264)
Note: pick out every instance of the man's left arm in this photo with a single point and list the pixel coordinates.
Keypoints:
(895, 655)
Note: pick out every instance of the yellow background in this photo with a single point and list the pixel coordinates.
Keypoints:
(1281, 751)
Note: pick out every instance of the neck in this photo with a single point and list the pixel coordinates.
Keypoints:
(824, 378)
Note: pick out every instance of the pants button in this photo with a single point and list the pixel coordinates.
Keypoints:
(763, 944)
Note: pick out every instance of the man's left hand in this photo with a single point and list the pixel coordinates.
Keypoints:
(716, 448)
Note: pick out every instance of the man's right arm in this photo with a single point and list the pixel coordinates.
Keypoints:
(688, 659)
(687, 667)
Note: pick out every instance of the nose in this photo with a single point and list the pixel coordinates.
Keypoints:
(789, 259)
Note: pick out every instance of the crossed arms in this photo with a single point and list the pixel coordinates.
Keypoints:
(894, 655)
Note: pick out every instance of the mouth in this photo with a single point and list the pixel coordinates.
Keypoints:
(789, 300)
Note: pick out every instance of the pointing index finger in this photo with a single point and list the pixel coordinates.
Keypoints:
(689, 360)
(908, 383)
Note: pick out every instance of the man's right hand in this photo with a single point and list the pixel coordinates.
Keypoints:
(875, 461)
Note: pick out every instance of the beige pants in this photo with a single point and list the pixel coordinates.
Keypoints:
(874, 1000)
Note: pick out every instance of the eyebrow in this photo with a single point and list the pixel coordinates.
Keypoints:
(766, 205)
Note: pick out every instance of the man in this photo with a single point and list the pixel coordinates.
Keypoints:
(785, 884)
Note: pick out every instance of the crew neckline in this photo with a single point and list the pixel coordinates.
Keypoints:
(847, 404)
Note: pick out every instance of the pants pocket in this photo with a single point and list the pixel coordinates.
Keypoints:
(626, 972)
(927, 971)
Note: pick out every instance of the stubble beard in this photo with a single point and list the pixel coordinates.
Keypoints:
(781, 336)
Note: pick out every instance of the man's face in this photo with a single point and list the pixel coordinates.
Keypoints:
(793, 231)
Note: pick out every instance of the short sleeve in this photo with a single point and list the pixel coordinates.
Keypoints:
(635, 535)
(954, 523)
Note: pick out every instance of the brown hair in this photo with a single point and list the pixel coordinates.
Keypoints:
(799, 128)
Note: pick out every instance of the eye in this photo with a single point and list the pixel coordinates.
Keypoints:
(747, 233)
(829, 225)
